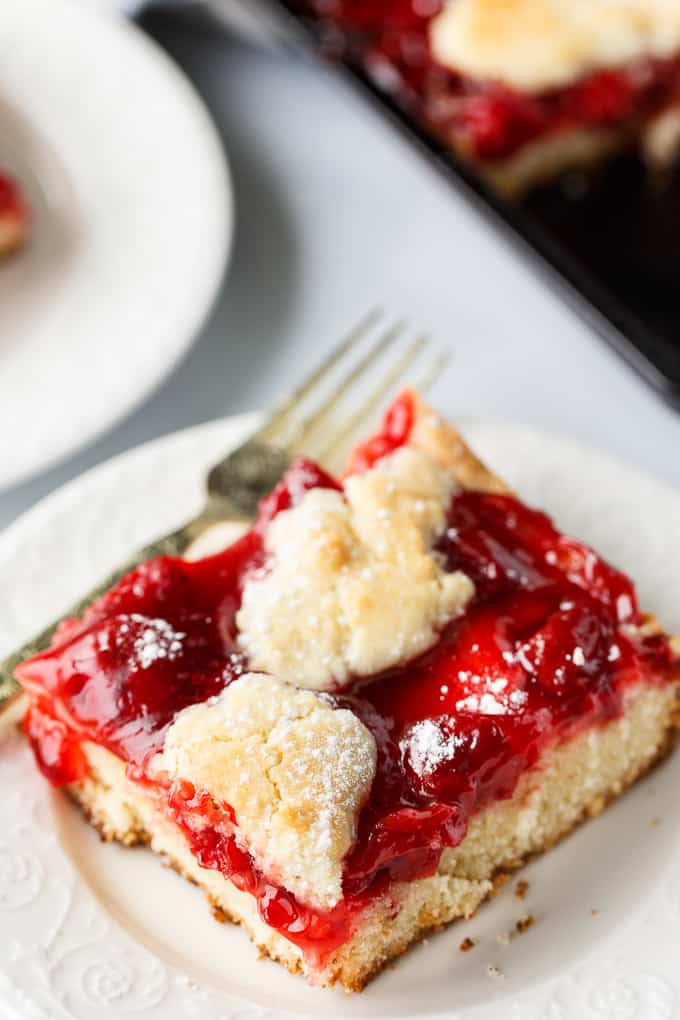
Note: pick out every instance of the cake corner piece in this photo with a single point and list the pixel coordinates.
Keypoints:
(326, 815)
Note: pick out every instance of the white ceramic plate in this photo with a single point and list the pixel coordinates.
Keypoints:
(96, 932)
(132, 219)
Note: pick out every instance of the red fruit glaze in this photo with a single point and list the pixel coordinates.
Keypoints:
(539, 655)
(390, 40)
(393, 433)
(10, 197)
(161, 639)
(13, 215)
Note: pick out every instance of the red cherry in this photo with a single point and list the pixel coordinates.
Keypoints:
(571, 648)
(11, 201)
(450, 757)
(300, 477)
(393, 433)
(496, 122)
(604, 97)
(59, 757)
(277, 908)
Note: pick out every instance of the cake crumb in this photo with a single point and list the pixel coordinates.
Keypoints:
(504, 938)
(466, 945)
(498, 883)
(594, 913)
(521, 889)
(494, 971)
(525, 922)
(655, 823)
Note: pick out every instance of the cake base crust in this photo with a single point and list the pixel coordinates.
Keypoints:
(573, 782)
(540, 162)
(584, 149)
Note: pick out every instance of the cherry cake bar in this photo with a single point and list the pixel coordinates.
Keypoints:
(350, 723)
(523, 89)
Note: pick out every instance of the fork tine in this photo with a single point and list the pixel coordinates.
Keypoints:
(321, 416)
(330, 453)
(431, 371)
(270, 430)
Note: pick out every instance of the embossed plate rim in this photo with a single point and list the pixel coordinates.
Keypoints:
(92, 968)
(117, 273)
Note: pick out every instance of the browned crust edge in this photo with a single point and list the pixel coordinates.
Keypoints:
(445, 444)
(502, 875)
(434, 436)
(581, 149)
(343, 974)
(584, 149)
(549, 156)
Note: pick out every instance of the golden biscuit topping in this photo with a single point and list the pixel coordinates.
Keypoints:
(353, 586)
(541, 44)
(295, 770)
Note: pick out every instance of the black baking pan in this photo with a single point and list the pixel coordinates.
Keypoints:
(611, 248)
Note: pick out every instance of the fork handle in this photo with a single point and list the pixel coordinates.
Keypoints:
(235, 487)
(174, 544)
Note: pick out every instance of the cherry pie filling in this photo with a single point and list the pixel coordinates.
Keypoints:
(389, 39)
(547, 648)
(12, 205)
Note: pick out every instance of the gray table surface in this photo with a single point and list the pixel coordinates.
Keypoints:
(335, 212)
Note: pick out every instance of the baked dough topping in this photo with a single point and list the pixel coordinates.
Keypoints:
(353, 586)
(542, 44)
(296, 796)
(295, 770)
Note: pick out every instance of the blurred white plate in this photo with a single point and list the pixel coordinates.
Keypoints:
(132, 211)
(96, 932)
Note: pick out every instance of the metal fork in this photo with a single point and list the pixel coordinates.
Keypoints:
(371, 360)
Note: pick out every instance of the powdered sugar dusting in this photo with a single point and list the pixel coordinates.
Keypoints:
(429, 746)
(151, 639)
(485, 704)
(324, 609)
(496, 700)
(295, 769)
